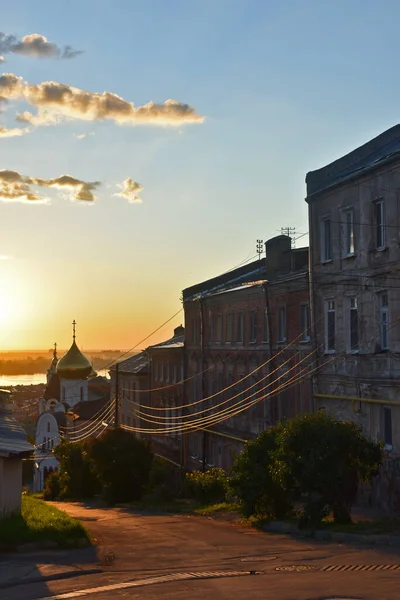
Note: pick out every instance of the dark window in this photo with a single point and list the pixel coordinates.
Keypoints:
(384, 321)
(240, 327)
(380, 224)
(194, 330)
(219, 328)
(353, 324)
(265, 326)
(387, 426)
(253, 326)
(229, 327)
(305, 322)
(282, 324)
(348, 233)
(326, 240)
(330, 325)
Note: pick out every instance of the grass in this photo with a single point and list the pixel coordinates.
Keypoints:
(389, 526)
(39, 522)
(213, 509)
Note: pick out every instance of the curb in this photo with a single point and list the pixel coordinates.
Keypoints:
(56, 576)
(333, 536)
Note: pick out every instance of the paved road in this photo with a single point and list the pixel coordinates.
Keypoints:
(241, 563)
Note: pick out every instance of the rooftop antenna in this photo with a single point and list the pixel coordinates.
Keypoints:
(259, 248)
(290, 232)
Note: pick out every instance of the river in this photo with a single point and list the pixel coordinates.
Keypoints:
(7, 380)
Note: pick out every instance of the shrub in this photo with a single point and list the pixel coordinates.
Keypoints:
(257, 492)
(121, 463)
(77, 478)
(165, 481)
(207, 487)
(52, 487)
(321, 459)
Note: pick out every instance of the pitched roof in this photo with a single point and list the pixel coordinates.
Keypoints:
(376, 151)
(134, 364)
(12, 435)
(174, 342)
(86, 410)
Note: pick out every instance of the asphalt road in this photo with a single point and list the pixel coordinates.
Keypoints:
(189, 558)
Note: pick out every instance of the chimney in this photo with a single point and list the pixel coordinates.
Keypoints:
(178, 331)
(278, 253)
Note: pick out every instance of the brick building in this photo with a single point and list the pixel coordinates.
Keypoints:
(234, 324)
(355, 258)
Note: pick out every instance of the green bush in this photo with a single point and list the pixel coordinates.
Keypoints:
(321, 460)
(207, 487)
(252, 482)
(165, 481)
(121, 463)
(314, 459)
(52, 489)
(77, 478)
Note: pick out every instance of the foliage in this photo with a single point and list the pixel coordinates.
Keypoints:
(165, 481)
(39, 521)
(52, 489)
(76, 478)
(321, 459)
(207, 487)
(252, 482)
(313, 459)
(121, 463)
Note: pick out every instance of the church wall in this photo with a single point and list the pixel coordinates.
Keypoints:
(74, 391)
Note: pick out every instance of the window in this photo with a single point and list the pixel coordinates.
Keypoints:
(380, 224)
(240, 327)
(161, 371)
(348, 232)
(253, 327)
(229, 327)
(305, 322)
(265, 338)
(326, 239)
(194, 330)
(353, 324)
(329, 326)
(167, 372)
(81, 394)
(384, 321)
(48, 427)
(282, 324)
(210, 327)
(387, 426)
(175, 373)
(219, 329)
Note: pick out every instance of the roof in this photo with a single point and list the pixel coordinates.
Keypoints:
(370, 155)
(239, 288)
(134, 364)
(251, 273)
(86, 410)
(12, 435)
(174, 342)
(53, 388)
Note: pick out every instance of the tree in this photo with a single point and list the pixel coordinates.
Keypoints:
(122, 464)
(322, 459)
(252, 482)
(76, 477)
(313, 459)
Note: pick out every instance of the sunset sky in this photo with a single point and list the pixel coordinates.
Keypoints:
(161, 196)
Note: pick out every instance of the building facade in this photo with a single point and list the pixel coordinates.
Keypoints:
(354, 227)
(245, 348)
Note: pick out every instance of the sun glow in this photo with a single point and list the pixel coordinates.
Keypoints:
(12, 301)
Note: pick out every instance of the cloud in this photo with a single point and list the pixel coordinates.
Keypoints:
(82, 136)
(17, 187)
(35, 45)
(130, 190)
(7, 133)
(2, 59)
(52, 98)
(43, 117)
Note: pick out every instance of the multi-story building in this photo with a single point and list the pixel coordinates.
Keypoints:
(354, 262)
(247, 332)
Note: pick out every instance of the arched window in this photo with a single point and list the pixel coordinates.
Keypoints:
(81, 394)
(48, 426)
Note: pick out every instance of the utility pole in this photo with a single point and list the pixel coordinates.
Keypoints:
(116, 412)
(290, 232)
(203, 381)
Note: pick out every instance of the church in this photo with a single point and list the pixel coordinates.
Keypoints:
(74, 394)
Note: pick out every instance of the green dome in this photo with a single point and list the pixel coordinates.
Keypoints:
(74, 364)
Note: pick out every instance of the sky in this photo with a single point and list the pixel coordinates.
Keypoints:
(162, 196)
